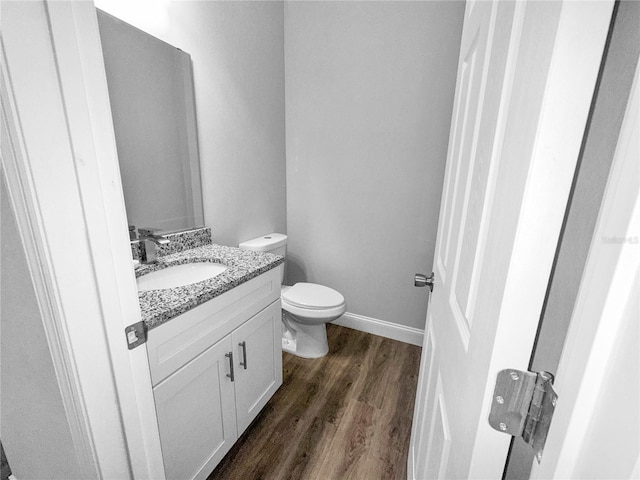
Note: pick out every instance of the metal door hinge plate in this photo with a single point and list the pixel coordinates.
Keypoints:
(136, 334)
(523, 404)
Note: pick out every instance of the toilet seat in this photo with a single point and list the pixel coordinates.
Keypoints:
(311, 296)
(306, 309)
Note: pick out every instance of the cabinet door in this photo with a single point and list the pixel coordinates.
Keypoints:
(196, 414)
(261, 376)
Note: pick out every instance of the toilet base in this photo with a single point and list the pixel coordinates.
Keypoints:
(306, 341)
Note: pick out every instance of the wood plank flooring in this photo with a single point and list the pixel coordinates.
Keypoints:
(344, 416)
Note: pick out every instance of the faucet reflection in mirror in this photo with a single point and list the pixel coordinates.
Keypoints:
(149, 239)
(152, 103)
(178, 241)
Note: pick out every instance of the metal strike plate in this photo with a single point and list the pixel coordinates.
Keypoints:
(522, 405)
(136, 334)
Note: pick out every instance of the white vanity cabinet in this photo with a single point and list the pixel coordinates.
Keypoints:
(213, 369)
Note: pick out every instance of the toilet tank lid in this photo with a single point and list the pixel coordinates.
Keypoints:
(265, 242)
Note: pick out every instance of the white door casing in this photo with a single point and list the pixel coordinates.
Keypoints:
(64, 185)
(595, 431)
(526, 78)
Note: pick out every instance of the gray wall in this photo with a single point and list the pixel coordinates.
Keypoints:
(28, 382)
(369, 94)
(238, 68)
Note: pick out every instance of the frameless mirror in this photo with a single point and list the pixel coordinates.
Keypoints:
(152, 103)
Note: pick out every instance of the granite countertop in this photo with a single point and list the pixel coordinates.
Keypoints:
(159, 306)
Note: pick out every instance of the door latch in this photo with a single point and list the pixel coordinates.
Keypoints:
(523, 404)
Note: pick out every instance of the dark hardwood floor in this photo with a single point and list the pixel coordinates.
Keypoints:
(344, 416)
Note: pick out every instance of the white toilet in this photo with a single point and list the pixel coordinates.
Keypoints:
(306, 307)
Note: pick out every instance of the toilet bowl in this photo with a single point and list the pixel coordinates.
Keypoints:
(306, 307)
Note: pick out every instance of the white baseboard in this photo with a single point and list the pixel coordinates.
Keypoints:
(380, 327)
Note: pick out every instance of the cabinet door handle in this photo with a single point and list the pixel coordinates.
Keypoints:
(244, 354)
(230, 357)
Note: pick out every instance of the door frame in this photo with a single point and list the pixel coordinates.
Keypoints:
(72, 224)
(609, 105)
(606, 290)
(565, 107)
(521, 278)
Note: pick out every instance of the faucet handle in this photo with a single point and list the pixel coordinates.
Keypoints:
(147, 231)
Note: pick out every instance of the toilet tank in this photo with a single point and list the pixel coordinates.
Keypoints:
(271, 243)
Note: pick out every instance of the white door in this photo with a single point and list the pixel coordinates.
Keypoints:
(526, 77)
(595, 431)
(258, 358)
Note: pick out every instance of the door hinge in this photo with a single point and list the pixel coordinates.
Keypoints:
(136, 334)
(523, 404)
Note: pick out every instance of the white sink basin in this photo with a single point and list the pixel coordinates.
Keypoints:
(179, 275)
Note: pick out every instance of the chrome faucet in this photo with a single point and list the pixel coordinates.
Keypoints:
(149, 241)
